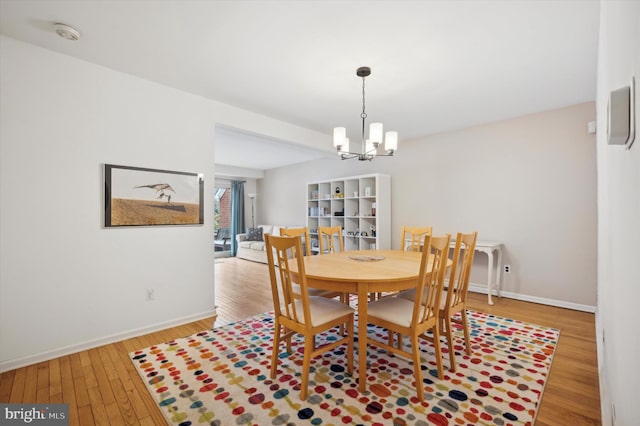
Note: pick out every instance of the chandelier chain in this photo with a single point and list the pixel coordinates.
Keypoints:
(364, 113)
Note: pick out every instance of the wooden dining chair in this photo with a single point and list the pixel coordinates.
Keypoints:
(412, 236)
(299, 232)
(456, 297)
(412, 318)
(412, 239)
(295, 311)
(304, 232)
(330, 234)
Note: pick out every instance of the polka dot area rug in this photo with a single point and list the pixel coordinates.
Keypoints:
(221, 377)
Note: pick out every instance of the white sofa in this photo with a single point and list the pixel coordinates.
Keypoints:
(254, 250)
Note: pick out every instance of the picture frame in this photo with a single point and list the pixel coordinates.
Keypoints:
(138, 196)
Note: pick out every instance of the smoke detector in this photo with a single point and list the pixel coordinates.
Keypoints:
(66, 32)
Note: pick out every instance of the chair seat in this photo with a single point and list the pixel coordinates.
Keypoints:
(313, 291)
(411, 295)
(392, 309)
(323, 310)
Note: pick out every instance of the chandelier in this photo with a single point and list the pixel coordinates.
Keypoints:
(369, 146)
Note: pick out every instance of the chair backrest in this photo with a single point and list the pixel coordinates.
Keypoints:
(460, 274)
(412, 237)
(299, 232)
(431, 281)
(284, 290)
(223, 233)
(331, 233)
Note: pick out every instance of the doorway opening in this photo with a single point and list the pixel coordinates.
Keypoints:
(222, 221)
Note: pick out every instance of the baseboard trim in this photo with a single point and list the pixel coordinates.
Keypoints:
(482, 288)
(94, 343)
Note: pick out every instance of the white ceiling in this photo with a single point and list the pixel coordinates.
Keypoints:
(436, 65)
(247, 150)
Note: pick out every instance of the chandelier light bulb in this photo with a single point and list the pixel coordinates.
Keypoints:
(345, 146)
(391, 141)
(375, 133)
(370, 148)
(339, 136)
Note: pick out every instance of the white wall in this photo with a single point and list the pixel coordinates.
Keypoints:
(529, 182)
(67, 283)
(618, 317)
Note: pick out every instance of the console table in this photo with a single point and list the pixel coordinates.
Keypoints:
(489, 247)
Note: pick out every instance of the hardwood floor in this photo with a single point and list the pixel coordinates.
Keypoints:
(101, 385)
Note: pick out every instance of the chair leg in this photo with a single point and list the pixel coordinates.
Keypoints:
(417, 366)
(436, 345)
(276, 348)
(465, 327)
(289, 350)
(344, 298)
(392, 335)
(449, 334)
(309, 345)
(288, 336)
(350, 345)
(375, 296)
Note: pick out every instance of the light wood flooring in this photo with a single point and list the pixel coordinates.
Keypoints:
(101, 386)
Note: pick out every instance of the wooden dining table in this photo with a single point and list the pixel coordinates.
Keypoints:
(362, 272)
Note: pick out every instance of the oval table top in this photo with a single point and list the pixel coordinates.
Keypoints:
(364, 265)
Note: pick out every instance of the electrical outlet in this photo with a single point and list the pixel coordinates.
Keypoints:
(507, 269)
(150, 295)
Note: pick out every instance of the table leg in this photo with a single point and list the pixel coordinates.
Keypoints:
(363, 295)
(490, 276)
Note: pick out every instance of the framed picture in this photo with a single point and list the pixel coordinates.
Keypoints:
(135, 196)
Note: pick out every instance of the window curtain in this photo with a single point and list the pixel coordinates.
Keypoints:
(237, 213)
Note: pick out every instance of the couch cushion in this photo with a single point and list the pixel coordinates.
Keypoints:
(257, 245)
(266, 229)
(254, 234)
(245, 244)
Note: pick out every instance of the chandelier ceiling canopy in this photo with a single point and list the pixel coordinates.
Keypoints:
(369, 147)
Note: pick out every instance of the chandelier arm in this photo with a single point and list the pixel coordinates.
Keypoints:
(349, 155)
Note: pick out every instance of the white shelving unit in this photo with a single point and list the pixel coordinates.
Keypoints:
(360, 205)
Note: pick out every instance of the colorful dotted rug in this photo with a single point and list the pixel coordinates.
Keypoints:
(221, 377)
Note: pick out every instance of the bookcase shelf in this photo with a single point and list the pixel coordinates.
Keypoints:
(360, 205)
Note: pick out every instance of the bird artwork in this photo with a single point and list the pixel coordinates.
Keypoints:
(160, 189)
